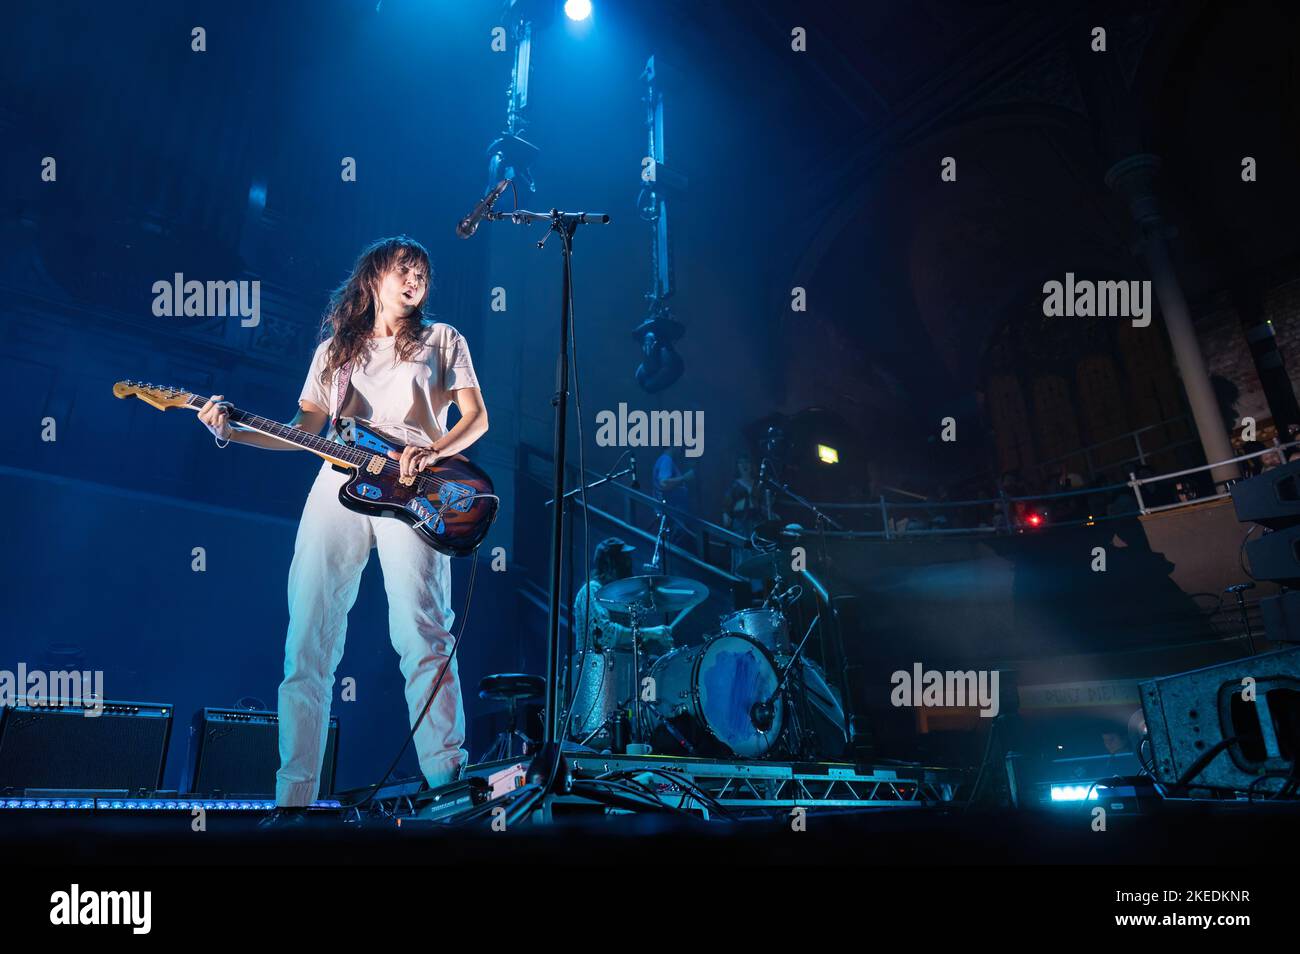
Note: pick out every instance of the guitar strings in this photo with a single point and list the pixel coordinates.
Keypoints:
(321, 443)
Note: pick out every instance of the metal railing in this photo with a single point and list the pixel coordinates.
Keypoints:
(894, 516)
(1137, 483)
(1141, 455)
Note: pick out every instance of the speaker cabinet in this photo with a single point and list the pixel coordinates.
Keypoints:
(1276, 556)
(236, 753)
(71, 748)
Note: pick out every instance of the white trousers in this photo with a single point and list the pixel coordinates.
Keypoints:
(332, 548)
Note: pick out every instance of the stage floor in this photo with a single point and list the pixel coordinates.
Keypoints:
(1190, 833)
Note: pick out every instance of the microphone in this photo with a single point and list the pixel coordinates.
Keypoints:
(762, 715)
(788, 597)
(469, 224)
(636, 484)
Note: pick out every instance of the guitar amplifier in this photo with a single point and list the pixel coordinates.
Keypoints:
(236, 752)
(70, 748)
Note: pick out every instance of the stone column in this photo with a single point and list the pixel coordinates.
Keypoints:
(1134, 179)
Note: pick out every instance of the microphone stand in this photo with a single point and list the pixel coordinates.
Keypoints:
(545, 767)
(661, 537)
(763, 713)
(608, 478)
(860, 742)
(766, 479)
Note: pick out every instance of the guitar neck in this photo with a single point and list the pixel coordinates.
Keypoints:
(320, 446)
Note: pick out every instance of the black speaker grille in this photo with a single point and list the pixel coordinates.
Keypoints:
(241, 757)
(64, 749)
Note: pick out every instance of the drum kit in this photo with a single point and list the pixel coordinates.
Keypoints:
(746, 692)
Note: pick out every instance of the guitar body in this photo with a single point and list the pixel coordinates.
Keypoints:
(451, 505)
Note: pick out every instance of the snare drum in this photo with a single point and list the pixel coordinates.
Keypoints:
(711, 696)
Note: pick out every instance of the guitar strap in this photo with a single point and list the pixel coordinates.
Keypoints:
(345, 375)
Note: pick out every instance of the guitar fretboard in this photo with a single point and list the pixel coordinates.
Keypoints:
(295, 435)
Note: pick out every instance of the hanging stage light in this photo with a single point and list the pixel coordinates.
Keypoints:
(577, 9)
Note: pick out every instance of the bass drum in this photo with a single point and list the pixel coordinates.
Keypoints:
(706, 699)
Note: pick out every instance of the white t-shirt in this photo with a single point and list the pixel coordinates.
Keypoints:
(407, 399)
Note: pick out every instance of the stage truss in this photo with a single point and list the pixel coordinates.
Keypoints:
(704, 785)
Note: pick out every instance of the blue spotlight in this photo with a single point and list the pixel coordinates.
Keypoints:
(577, 9)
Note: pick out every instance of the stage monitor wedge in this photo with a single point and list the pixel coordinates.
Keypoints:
(1255, 702)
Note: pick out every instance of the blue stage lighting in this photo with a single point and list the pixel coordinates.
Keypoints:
(1074, 793)
(577, 9)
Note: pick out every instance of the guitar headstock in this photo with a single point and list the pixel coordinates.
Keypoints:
(160, 397)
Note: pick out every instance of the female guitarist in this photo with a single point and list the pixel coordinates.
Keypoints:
(385, 362)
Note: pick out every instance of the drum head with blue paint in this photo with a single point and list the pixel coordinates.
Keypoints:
(734, 673)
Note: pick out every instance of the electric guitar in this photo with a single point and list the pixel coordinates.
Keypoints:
(450, 505)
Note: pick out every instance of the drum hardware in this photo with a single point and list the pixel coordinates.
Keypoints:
(635, 611)
(667, 726)
(761, 710)
(656, 563)
(788, 598)
(819, 712)
(768, 564)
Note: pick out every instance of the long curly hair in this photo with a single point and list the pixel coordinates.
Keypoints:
(350, 317)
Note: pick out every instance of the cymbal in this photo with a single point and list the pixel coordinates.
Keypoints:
(658, 594)
(767, 564)
(763, 566)
(778, 531)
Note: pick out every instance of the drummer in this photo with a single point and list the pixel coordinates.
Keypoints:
(612, 561)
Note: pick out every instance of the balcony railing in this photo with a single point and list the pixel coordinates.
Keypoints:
(915, 518)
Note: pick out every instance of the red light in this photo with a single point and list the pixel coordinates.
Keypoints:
(1035, 520)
